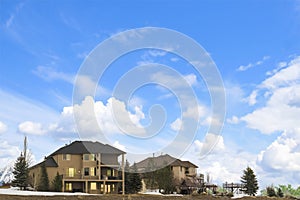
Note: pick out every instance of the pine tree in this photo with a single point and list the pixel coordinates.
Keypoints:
(44, 180)
(20, 173)
(271, 191)
(280, 192)
(165, 179)
(250, 182)
(57, 183)
(135, 181)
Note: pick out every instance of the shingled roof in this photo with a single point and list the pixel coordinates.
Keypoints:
(86, 147)
(161, 161)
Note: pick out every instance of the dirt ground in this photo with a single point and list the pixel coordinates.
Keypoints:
(129, 197)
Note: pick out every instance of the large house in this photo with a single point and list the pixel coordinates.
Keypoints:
(85, 166)
(184, 172)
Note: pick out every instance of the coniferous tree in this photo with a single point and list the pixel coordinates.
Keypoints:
(20, 173)
(44, 180)
(280, 192)
(271, 191)
(135, 181)
(127, 183)
(165, 180)
(57, 183)
(250, 182)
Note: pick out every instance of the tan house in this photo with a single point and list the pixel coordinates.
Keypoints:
(85, 166)
(184, 172)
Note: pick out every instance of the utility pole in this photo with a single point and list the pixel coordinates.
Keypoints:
(25, 148)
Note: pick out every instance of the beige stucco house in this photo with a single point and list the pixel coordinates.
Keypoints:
(85, 166)
(184, 172)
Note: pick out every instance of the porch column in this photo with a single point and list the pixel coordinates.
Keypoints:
(123, 174)
(99, 165)
(86, 186)
(63, 185)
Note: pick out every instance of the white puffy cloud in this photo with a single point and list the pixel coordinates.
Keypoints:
(3, 127)
(233, 120)
(222, 163)
(92, 117)
(280, 114)
(282, 109)
(176, 125)
(283, 154)
(191, 79)
(252, 98)
(8, 152)
(30, 127)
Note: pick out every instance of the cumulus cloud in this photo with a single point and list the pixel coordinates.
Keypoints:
(233, 120)
(176, 125)
(3, 127)
(221, 163)
(8, 152)
(283, 154)
(282, 109)
(280, 114)
(30, 127)
(95, 117)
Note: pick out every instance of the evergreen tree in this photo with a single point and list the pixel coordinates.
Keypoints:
(250, 182)
(150, 175)
(20, 173)
(57, 183)
(279, 192)
(127, 183)
(271, 191)
(165, 180)
(135, 181)
(44, 180)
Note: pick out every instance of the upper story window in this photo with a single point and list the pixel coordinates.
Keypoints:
(89, 157)
(66, 156)
(86, 157)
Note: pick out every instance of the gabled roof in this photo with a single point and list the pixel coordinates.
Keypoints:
(161, 161)
(86, 147)
(49, 162)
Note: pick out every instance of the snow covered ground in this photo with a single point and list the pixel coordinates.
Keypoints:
(15, 191)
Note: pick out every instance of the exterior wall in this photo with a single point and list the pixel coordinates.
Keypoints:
(106, 179)
(108, 159)
(179, 172)
(35, 175)
(192, 171)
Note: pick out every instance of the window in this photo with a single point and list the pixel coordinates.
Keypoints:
(93, 186)
(93, 171)
(86, 157)
(93, 157)
(71, 172)
(108, 173)
(86, 171)
(68, 186)
(102, 187)
(181, 169)
(66, 156)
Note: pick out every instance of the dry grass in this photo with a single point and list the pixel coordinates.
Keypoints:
(129, 197)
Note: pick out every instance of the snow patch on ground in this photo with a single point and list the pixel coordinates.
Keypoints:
(16, 191)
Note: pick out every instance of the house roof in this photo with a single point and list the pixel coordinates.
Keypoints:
(49, 162)
(161, 161)
(86, 147)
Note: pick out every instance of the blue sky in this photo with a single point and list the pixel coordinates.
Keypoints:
(254, 44)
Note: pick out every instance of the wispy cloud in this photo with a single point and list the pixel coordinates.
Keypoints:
(12, 16)
(49, 74)
(251, 65)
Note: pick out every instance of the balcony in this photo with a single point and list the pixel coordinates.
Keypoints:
(81, 177)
